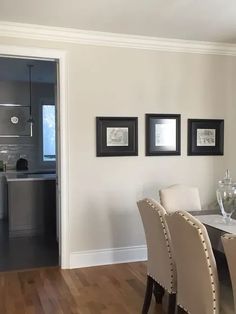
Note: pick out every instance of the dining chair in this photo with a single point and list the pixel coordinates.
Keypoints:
(198, 284)
(161, 271)
(229, 244)
(180, 197)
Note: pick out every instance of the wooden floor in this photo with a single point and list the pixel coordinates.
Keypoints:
(113, 289)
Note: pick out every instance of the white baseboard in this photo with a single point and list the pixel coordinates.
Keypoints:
(108, 256)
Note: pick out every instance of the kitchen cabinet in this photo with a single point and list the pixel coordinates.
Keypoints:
(31, 205)
(3, 196)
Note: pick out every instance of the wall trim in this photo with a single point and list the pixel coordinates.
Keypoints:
(108, 256)
(71, 35)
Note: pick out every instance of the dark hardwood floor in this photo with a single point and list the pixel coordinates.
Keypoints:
(26, 252)
(112, 289)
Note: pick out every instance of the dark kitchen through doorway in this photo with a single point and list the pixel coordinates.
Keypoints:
(29, 232)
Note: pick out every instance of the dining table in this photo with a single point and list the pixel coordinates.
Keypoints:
(216, 227)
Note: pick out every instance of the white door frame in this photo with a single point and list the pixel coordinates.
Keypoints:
(60, 56)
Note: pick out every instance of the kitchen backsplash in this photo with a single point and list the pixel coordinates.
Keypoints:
(9, 153)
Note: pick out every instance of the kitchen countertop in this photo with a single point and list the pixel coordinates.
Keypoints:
(30, 171)
(11, 177)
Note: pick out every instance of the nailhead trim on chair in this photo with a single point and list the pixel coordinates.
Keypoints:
(229, 236)
(182, 307)
(172, 290)
(208, 260)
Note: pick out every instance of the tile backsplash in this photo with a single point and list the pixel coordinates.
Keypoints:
(10, 153)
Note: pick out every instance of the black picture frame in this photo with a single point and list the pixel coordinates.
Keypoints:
(117, 136)
(205, 137)
(156, 126)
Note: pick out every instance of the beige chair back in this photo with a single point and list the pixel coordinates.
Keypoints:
(229, 244)
(161, 266)
(180, 197)
(197, 284)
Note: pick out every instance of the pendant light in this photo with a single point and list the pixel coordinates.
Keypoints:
(30, 120)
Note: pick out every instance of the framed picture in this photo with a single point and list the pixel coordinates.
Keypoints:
(163, 134)
(117, 136)
(205, 137)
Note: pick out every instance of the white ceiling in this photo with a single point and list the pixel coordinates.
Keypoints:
(13, 69)
(207, 20)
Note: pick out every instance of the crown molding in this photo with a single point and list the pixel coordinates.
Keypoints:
(75, 36)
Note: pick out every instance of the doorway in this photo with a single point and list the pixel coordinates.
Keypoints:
(29, 248)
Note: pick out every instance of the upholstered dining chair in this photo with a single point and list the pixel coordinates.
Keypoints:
(197, 285)
(229, 244)
(161, 271)
(180, 197)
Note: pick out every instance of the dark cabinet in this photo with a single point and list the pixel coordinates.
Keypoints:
(31, 207)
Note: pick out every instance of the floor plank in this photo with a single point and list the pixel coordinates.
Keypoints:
(112, 289)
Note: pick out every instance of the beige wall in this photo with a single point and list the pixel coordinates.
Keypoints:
(128, 82)
(230, 138)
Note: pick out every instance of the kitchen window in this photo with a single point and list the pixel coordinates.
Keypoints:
(49, 132)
